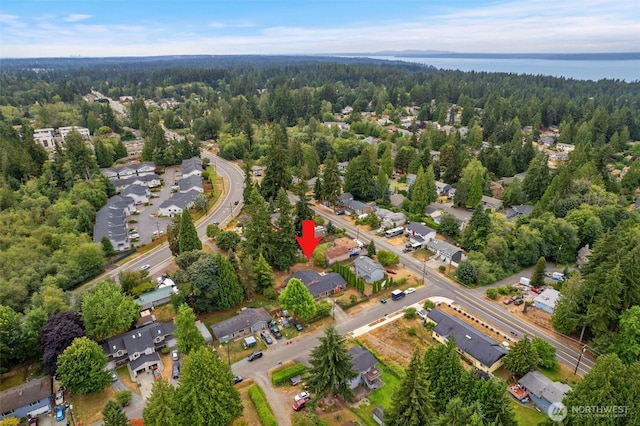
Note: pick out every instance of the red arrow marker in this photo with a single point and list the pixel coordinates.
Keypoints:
(308, 242)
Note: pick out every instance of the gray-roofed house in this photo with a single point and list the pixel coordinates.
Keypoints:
(190, 183)
(442, 188)
(547, 300)
(111, 222)
(390, 219)
(411, 179)
(416, 229)
(344, 197)
(139, 193)
(139, 348)
(27, 399)
(542, 390)
(150, 180)
(483, 352)
(519, 210)
(177, 203)
(491, 203)
(320, 285)
(364, 363)
(368, 269)
(445, 251)
(191, 167)
(343, 166)
(583, 255)
(249, 321)
(358, 207)
(202, 327)
(397, 200)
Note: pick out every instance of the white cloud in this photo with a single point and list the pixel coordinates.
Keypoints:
(225, 25)
(75, 17)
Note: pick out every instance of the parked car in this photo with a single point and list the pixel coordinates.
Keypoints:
(391, 271)
(298, 326)
(254, 356)
(340, 212)
(409, 290)
(383, 301)
(275, 331)
(176, 371)
(422, 314)
(59, 414)
(33, 421)
(295, 380)
(302, 396)
(114, 377)
(235, 203)
(267, 339)
(174, 355)
(407, 249)
(518, 301)
(536, 290)
(215, 223)
(237, 379)
(298, 405)
(508, 300)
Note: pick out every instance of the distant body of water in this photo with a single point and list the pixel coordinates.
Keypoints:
(627, 70)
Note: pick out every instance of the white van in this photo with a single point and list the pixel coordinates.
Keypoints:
(558, 276)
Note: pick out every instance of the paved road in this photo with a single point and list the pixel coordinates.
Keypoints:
(471, 300)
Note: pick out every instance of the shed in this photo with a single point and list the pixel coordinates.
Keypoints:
(250, 341)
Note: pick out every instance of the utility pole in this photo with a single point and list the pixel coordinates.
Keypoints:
(584, 349)
(424, 267)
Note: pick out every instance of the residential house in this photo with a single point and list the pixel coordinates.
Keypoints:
(111, 222)
(257, 170)
(397, 200)
(320, 285)
(64, 132)
(138, 193)
(338, 254)
(28, 399)
(364, 363)
(128, 170)
(368, 269)
(190, 183)
(519, 210)
(150, 181)
(139, 348)
(543, 391)
(343, 166)
(451, 193)
(411, 179)
(547, 300)
(390, 219)
(191, 167)
(566, 147)
(416, 229)
(178, 203)
(340, 125)
(156, 297)
(546, 141)
(346, 242)
(491, 203)
(442, 188)
(483, 352)
(357, 207)
(202, 327)
(371, 140)
(344, 197)
(249, 321)
(45, 137)
(637, 204)
(496, 189)
(445, 251)
(583, 256)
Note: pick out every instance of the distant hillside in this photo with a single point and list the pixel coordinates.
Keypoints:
(614, 56)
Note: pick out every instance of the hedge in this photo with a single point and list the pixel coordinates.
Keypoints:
(280, 377)
(262, 407)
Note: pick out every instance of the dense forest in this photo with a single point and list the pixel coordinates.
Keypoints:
(270, 111)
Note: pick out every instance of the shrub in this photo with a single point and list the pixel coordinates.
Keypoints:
(442, 268)
(412, 331)
(123, 397)
(318, 220)
(353, 299)
(400, 281)
(281, 376)
(319, 259)
(428, 305)
(387, 258)
(269, 293)
(492, 293)
(410, 313)
(262, 407)
(323, 308)
(165, 350)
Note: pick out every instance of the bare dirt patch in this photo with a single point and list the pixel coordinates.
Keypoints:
(393, 342)
(396, 241)
(249, 413)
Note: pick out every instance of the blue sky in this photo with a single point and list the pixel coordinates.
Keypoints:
(51, 28)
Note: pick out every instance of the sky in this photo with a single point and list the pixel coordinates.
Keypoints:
(101, 28)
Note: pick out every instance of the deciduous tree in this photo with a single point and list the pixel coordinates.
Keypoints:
(449, 225)
(227, 240)
(546, 353)
(107, 312)
(477, 231)
(56, 335)
(388, 258)
(331, 366)
(297, 299)
(522, 357)
(81, 367)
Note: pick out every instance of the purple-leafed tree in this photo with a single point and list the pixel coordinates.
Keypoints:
(56, 335)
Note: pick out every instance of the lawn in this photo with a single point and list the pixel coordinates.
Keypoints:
(380, 397)
(88, 408)
(526, 415)
(249, 413)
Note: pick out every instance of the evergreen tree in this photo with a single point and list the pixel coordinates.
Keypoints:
(297, 299)
(382, 183)
(257, 232)
(495, 402)
(627, 341)
(449, 225)
(187, 334)
(522, 357)
(317, 190)
(443, 372)
(284, 240)
(546, 353)
(478, 230)
(412, 401)
(386, 162)
(229, 292)
(471, 184)
(331, 180)
(159, 408)
(303, 208)
(359, 180)
(371, 248)
(188, 236)
(107, 247)
(537, 178)
(276, 175)
(263, 274)
(113, 415)
(206, 395)
(457, 413)
(537, 278)
(331, 366)
(419, 193)
(451, 160)
(248, 182)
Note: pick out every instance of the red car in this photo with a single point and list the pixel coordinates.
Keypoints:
(299, 405)
(391, 271)
(536, 290)
(508, 300)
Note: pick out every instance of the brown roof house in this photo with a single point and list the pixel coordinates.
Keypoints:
(249, 321)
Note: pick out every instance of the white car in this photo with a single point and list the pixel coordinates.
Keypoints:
(409, 290)
(145, 267)
(302, 396)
